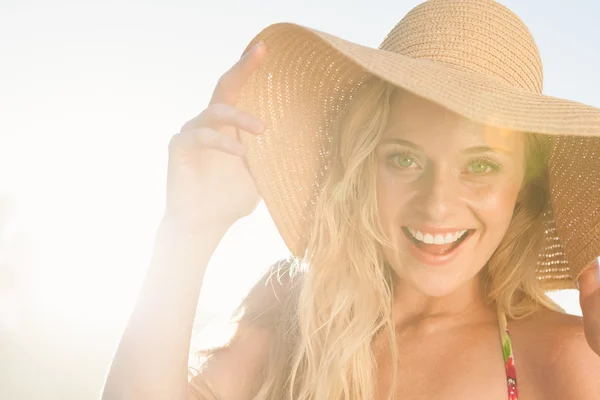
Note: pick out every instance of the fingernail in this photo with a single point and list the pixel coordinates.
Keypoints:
(249, 51)
(253, 48)
(598, 268)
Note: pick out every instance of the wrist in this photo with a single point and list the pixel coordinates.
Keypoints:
(193, 224)
(181, 247)
(175, 233)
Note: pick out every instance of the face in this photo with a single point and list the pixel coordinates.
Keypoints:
(446, 188)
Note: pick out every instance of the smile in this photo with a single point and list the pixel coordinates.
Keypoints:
(432, 238)
(436, 248)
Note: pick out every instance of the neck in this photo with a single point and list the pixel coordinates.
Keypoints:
(464, 306)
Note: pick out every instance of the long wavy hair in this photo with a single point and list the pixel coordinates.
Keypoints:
(328, 307)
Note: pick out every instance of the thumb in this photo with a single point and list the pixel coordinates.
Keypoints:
(589, 299)
(589, 280)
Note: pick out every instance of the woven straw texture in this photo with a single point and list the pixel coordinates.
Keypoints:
(474, 57)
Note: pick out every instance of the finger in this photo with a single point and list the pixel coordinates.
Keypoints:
(209, 138)
(589, 300)
(229, 87)
(589, 280)
(217, 115)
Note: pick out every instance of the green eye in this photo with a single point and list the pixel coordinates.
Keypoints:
(483, 166)
(402, 160)
(479, 167)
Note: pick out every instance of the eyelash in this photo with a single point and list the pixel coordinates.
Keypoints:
(391, 157)
(495, 167)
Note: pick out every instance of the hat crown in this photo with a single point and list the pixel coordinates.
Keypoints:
(478, 35)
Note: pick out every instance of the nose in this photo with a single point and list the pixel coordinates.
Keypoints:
(437, 193)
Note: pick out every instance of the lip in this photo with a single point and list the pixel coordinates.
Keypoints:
(436, 260)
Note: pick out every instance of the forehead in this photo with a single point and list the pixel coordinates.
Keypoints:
(430, 125)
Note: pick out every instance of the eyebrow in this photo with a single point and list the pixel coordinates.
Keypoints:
(403, 143)
(470, 150)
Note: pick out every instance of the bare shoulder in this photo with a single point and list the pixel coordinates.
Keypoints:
(273, 295)
(234, 371)
(557, 355)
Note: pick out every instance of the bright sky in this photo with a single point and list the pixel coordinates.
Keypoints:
(90, 93)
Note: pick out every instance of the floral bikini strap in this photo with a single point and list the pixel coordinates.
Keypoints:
(509, 359)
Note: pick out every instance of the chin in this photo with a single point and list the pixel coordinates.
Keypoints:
(438, 287)
(432, 283)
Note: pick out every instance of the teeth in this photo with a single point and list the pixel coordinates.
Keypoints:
(458, 235)
(437, 239)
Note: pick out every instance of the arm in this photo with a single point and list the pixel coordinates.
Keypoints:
(208, 189)
(152, 357)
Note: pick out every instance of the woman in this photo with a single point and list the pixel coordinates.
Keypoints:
(429, 193)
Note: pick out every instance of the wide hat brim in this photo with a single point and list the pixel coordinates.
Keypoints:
(309, 76)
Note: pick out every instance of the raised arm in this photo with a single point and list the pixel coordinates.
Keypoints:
(208, 189)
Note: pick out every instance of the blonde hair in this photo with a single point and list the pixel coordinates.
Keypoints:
(340, 296)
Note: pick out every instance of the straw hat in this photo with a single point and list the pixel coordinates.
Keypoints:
(474, 57)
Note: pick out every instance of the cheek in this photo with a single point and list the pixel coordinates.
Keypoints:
(391, 196)
(494, 204)
(393, 200)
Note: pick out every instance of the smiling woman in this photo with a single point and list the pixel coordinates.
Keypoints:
(420, 188)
